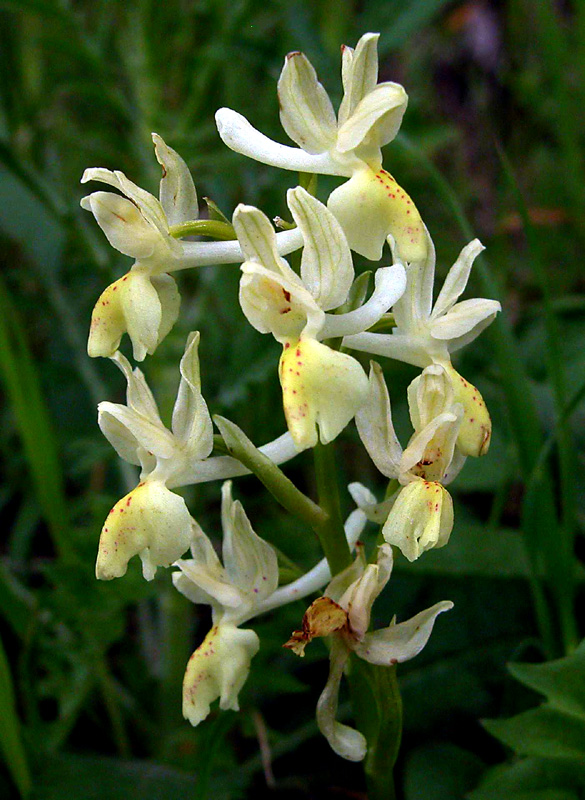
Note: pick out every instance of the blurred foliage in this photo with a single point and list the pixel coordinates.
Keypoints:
(492, 145)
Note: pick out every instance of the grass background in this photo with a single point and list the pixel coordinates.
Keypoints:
(492, 145)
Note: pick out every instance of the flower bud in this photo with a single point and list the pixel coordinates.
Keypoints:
(421, 518)
(150, 521)
(476, 428)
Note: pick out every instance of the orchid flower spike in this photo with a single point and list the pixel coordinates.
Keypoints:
(428, 334)
(219, 666)
(421, 515)
(344, 613)
(322, 388)
(244, 587)
(371, 204)
(145, 302)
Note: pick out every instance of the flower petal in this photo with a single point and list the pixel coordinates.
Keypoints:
(123, 224)
(218, 669)
(345, 741)
(150, 521)
(359, 73)
(326, 264)
(457, 278)
(391, 345)
(374, 424)
(320, 388)
(401, 642)
(389, 286)
(361, 597)
(273, 304)
(178, 195)
(250, 562)
(239, 135)
(191, 422)
(430, 450)
(257, 239)
(421, 518)
(152, 437)
(370, 206)
(138, 394)
(429, 395)
(202, 579)
(306, 113)
(122, 440)
(465, 317)
(476, 428)
(376, 120)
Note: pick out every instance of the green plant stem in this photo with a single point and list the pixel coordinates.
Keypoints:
(331, 532)
(280, 487)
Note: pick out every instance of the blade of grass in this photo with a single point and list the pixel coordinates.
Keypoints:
(19, 375)
(10, 741)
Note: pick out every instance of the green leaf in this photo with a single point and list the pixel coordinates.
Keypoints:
(562, 680)
(10, 741)
(543, 732)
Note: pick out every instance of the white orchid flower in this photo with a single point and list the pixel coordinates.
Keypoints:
(421, 515)
(344, 612)
(145, 301)
(322, 388)
(240, 589)
(428, 334)
(151, 520)
(371, 204)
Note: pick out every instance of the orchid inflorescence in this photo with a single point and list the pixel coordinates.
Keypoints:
(319, 313)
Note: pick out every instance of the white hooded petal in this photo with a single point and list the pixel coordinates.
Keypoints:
(345, 741)
(178, 195)
(360, 598)
(191, 422)
(401, 642)
(306, 112)
(367, 503)
(142, 311)
(321, 388)
(326, 264)
(374, 424)
(138, 394)
(218, 669)
(239, 135)
(376, 120)
(202, 578)
(257, 239)
(122, 440)
(359, 73)
(151, 522)
(170, 302)
(274, 304)
(152, 437)
(440, 434)
(389, 286)
(123, 224)
(421, 518)
(457, 278)
(250, 562)
(429, 395)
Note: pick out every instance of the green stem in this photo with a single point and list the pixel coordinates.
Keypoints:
(213, 228)
(331, 533)
(273, 478)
